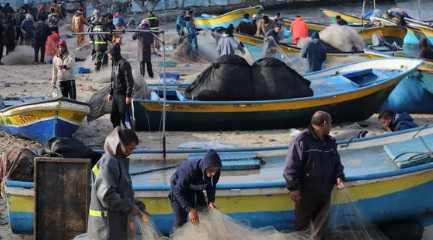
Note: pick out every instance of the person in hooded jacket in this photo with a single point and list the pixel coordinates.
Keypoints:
(42, 31)
(392, 121)
(122, 85)
(145, 41)
(299, 29)
(187, 184)
(314, 52)
(63, 64)
(112, 198)
(227, 44)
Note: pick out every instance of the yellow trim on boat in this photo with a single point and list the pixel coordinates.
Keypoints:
(227, 17)
(268, 106)
(20, 118)
(347, 17)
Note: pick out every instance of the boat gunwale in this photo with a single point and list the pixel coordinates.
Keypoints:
(380, 84)
(350, 181)
(58, 100)
(200, 18)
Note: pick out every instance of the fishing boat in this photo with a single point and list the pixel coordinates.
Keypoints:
(40, 119)
(386, 175)
(413, 94)
(390, 33)
(339, 90)
(351, 19)
(233, 17)
(333, 56)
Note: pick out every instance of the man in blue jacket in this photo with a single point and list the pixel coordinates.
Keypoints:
(187, 184)
(392, 121)
(312, 170)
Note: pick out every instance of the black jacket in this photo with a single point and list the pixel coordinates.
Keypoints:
(122, 82)
(190, 178)
(312, 164)
(42, 31)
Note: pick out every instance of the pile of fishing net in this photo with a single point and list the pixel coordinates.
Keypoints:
(345, 222)
(22, 55)
(344, 38)
(99, 104)
(182, 54)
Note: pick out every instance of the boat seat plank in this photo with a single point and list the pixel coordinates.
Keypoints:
(241, 165)
(227, 156)
(333, 84)
(409, 153)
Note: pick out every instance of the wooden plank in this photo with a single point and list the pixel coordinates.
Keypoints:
(62, 197)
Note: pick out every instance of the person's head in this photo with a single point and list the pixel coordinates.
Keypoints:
(265, 19)
(121, 142)
(277, 28)
(115, 53)
(190, 13)
(385, 118)
(144, 24)
(229, 30)
(62, 47)
(7, 5)
(423, 43)
(29, 16)
(247, 16)
(338, 17)
(52, 10)
(278, 14)
(211, 163)
(95, 13)
(321, 122)
(315, 35)
(151, 13)
(254, 16)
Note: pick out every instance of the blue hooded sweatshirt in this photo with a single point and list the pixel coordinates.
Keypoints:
(402, 121)
(190, 179)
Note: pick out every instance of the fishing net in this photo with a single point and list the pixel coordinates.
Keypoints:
(344, 38)
(181, 53)
(347, 222)
(99, 104)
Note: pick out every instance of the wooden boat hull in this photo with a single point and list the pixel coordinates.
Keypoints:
(381, 196)
(390, 33)
(347, 17)
(256, 116)
(413, 94)
(292, 50)
(233, 17)
(271, 114)
(41, 121)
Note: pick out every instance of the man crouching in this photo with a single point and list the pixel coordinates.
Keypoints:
(189, 181)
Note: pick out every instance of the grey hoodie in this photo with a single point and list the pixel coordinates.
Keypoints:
(112, 197)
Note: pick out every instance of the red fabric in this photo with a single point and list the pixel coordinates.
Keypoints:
(299, 29)
(51, 44)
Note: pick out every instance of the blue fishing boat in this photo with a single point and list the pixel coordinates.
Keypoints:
(385, 176)
(414, 94)
(40, 119)
(350, 93)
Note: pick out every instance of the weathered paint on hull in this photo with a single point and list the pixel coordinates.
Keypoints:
(350, 111)
(381, 199)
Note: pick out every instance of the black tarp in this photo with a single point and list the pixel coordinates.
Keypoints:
(273, 79)
(232, 78)
(229, 78)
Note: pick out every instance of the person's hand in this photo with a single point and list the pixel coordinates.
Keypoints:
(128, 100)
(136, 211)
(109, 97)
(212, 205)
(295, 196)
(340, 184)
(193, 216)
